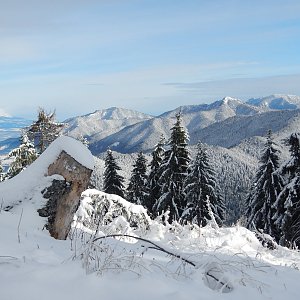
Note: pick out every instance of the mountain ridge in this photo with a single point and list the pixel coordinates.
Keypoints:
(103, 122)
(128, 131)
(276, 102)
(198, 119)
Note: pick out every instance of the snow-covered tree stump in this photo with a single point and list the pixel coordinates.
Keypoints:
(64, 196)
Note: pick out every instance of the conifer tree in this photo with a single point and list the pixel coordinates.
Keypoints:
(173, 172)
(262, 198)
(204, 203)
(287, 217)
(137, 191)
(153, 186)
(23, 156)
(44, 131)
(113, 182)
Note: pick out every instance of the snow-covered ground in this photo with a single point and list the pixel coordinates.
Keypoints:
(33, 265)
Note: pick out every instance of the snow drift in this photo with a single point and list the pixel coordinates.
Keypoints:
(226, 262)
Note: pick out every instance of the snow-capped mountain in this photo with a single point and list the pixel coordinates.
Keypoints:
(276, 101)
(144, 135)
(102, 123)
(216, 111)
(225, 123)
(232, 131)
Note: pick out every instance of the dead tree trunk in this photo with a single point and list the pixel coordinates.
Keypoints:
(64, 195)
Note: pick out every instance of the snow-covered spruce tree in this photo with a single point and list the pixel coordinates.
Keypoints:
(112, 181)
(153, 187)
(173, 172)
(44, 131)
(263, 195)
(23, 156)
(287, 216)
(204, 203)
(137, 190)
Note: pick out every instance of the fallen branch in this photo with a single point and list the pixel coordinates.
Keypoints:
(219, 282)
(154, 246)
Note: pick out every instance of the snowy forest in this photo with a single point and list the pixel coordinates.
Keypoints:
(172, 185)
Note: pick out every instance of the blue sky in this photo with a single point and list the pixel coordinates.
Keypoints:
(148, 55)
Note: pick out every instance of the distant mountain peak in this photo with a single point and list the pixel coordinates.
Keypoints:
(276, 102)
(103, 122)
(116, 113)
(229, 99)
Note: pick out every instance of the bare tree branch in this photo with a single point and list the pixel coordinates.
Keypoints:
(155, 246)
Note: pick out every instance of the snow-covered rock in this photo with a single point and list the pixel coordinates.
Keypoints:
(100, 209)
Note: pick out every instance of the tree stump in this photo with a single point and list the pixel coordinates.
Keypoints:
(64, 196)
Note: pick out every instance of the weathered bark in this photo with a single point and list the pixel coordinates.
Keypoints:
(64, 197)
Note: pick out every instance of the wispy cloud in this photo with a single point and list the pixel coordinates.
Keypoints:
(141, 90)
(243, 88)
